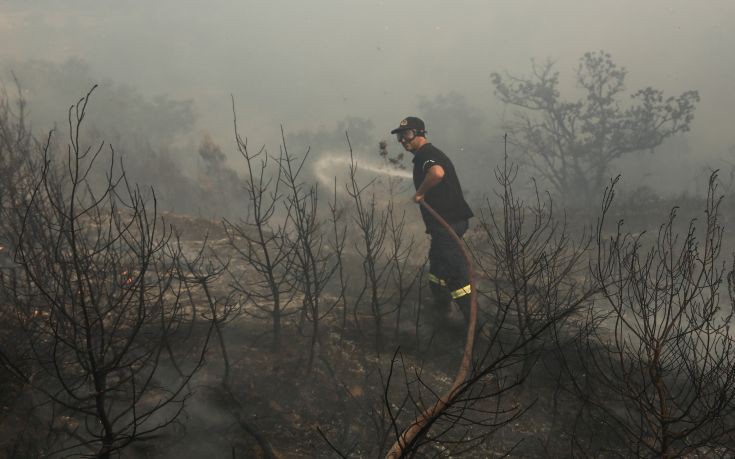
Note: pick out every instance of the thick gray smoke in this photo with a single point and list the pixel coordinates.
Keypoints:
(167, 72)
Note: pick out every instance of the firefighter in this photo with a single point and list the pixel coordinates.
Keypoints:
(437, 184)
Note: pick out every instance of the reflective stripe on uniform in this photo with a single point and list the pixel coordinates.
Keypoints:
(460, 292)
(437, 280)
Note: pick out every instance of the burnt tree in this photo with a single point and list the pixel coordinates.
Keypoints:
(99, 317)
(573, 143)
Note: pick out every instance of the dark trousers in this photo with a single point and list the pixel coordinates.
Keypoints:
(447, 267)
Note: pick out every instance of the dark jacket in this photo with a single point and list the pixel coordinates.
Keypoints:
(445, 198)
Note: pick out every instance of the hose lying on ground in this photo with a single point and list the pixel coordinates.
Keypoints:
(406, 439)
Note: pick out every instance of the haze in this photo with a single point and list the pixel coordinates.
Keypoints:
(313, 66)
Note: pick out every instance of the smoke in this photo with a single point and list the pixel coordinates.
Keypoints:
(155, 139)
(161, 143)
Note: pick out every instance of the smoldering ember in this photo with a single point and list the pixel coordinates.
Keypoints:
(336, 230)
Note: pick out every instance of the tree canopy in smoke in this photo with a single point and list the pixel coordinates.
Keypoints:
(573, 143)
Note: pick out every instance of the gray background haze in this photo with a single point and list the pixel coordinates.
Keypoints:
(321, 66)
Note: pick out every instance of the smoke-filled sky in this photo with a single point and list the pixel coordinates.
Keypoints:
(310, 65)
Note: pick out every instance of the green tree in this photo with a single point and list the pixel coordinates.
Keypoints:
(572, 144)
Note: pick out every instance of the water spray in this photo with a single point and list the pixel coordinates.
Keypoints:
(330, 161)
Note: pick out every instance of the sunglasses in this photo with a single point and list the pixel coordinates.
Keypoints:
(405, 136)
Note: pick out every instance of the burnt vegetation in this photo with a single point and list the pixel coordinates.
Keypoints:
(302, 327)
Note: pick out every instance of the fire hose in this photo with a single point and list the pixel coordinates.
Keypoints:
(424, 420)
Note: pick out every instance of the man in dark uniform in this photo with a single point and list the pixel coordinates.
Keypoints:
(436, 182)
